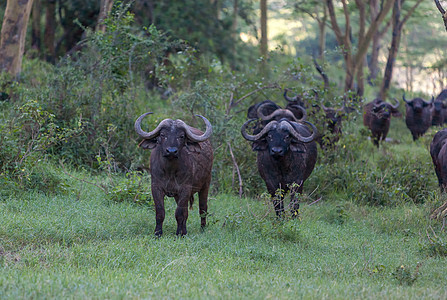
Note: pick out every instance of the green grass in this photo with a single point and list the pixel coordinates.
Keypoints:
(88, 247)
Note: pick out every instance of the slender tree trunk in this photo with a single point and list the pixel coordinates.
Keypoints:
(50, 26)
(388, 74)
(13, 33)
(322, 36)
(398, 24)
(264, 39)
(35, 32)
(355, 61)
(234, 32)
(105, 8)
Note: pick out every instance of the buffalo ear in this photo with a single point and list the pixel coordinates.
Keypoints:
(297, 147)
(148, 144)
(259, 145)
(193, 147)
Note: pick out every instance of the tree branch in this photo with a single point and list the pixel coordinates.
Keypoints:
(410, 12)
(443, 13)
(439, 6)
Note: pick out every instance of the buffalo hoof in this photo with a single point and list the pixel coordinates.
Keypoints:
(158, 233)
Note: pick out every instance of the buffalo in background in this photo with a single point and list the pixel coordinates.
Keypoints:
(332, 122)
(180, 166)
(268, 110)
(439, 112)
(418, 116)
(438, 152)
(286, 155)
(377, 117)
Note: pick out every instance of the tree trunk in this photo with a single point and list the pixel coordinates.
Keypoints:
(234, 32)
(395, 42)
(50, 24)
(104, 10)
(35, 32)
(13, 33)
(354, 62)
(264, 40)
(322, 36)
(398, 24)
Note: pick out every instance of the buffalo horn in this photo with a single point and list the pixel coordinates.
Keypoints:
(397, 104)
(298, 136)
(280, 111)
(195, 137)
(288, 98)
(149, 135)
(256, 137)
(403, 97)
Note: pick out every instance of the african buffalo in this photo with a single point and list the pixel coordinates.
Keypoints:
(180, 164)
(377, 116)
(286, 155)
(295, 99)
(438, 152)
(332, 119)
(418, 116)
(268, 110)
(439, 112)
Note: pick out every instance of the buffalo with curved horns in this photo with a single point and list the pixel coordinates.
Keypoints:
(268, 110)
(438, 152)
(377, 117)
(180, 166)
(287, 154)
(418, 116)
(439, 111)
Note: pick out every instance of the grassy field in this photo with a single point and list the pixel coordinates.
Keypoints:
(363, 233)
(63, 246)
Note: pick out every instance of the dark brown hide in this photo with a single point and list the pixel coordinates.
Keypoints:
(180, 167)
(287, 155)
(377, 116)
(438, 152)
(418, 116)
(439, 110)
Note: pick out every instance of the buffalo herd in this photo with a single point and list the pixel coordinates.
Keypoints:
(286, 146)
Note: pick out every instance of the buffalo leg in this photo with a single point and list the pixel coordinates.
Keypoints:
(159, 201)
(203, 205)
(181, 215)
(294, 202)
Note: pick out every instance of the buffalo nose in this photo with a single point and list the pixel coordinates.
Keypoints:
(171, 150)
(277, 150)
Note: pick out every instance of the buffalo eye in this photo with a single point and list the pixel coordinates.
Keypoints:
(287, 138)
(181, 137)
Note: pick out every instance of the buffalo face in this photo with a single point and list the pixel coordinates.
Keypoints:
(170, 137)
(279, 141)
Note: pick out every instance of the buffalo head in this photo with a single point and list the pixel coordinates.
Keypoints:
(418, 104)
(382, 110)
(279, 137)
(171, 136)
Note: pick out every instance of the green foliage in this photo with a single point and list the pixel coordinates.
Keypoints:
(435, 245)
(405, 276)
(26, 138)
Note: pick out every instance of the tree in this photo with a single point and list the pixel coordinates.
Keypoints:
(319, 14)
(50, 29)
(12, 37)
(264, 39)
(354, 62)
(35, 32)
(398, 24)
(104, 10)
(376, 43)
(443, 12)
